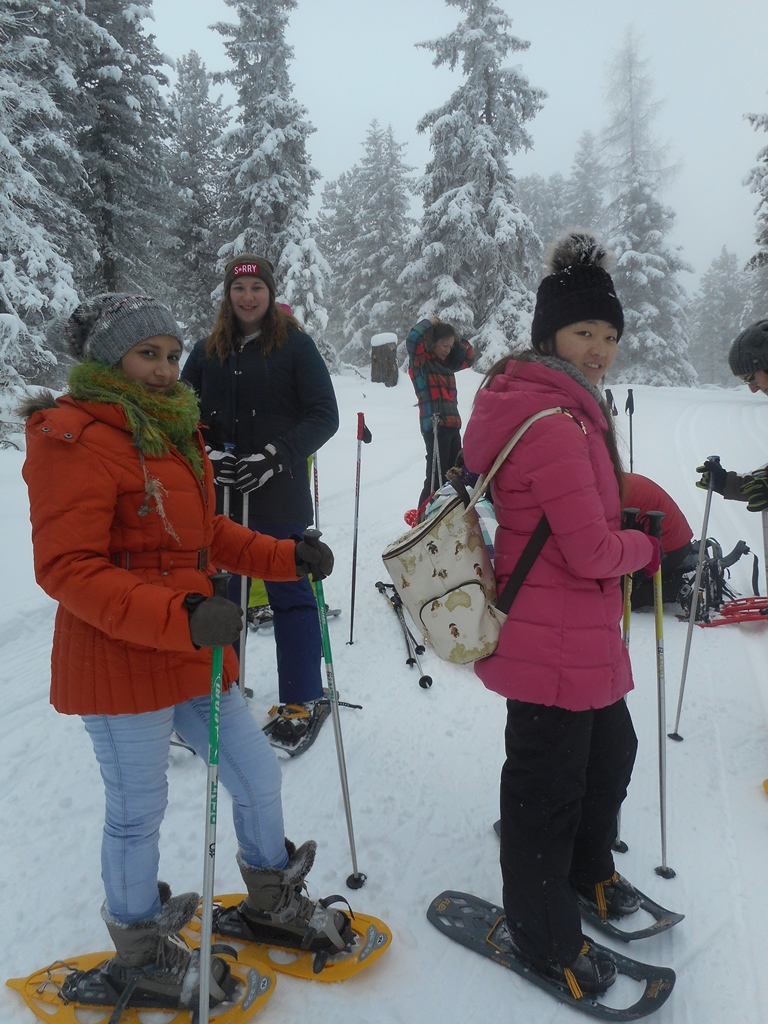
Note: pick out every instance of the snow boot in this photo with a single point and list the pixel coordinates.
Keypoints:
(293, 725)
(154, 961)
(592, 971)
(613, 898)
(276, 910)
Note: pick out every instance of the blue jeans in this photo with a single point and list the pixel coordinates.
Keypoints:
(296, 624)
(132, 752)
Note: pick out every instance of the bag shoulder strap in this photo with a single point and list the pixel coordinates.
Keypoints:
(531, 552)
(484, 481)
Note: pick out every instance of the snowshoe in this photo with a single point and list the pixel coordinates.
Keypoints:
(294, 727)
(50, 994)
(481, 926)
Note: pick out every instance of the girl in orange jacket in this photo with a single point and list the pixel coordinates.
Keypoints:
(125, 538)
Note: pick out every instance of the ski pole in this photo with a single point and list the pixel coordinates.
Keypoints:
(654, 519)
(629, 409)
(356, 880)
(629, 522)
(675, 734)
(225, 500)
(610, 402)
(629, 517)
(413, 649)
(220, 581)
(363, 437)
(437, 478)
(244, 606)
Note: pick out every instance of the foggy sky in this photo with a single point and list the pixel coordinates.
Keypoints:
(356, 60)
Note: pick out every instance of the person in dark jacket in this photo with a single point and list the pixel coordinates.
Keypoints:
(267, 400)
(435, 354)
(748, 360)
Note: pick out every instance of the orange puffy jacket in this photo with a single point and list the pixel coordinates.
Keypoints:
(121, 642)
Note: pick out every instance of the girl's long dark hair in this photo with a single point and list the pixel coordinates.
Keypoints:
(222, 341)
(547, 348)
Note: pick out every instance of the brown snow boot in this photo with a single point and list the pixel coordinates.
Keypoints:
(277, 911)
(155, 961)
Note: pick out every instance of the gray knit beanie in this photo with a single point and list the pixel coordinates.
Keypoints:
(107, 326)
(749, 352)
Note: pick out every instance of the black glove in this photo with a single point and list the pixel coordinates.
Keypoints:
(224, 466)
(253, 471)
(756, 489)
(315, 560)
(715, 472)
(213, 621)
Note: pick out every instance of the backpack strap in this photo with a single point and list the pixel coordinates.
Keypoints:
(538, 538)
(531, 552)
(484, 481)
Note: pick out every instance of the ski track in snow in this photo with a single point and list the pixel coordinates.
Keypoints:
(423, 765)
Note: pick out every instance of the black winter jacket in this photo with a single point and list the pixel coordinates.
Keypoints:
(251, 400)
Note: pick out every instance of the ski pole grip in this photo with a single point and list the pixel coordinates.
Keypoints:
(654, 524)
(363, 433)
(630, 403)
(629, 518)
(220, 581)
(312, 537)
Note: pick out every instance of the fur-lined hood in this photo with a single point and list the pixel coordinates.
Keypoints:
(43, 399)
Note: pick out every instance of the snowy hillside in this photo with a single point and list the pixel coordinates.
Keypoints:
(423, 765)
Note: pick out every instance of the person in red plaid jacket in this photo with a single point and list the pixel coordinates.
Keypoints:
(435, 353)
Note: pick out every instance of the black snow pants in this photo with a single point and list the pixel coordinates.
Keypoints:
(563, 782)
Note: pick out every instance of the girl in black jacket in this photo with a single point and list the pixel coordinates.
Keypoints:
(267, 400)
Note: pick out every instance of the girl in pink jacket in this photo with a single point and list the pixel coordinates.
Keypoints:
(561, 663)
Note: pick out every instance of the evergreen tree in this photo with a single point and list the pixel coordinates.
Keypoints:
(196, 174)
(123, 121)
(476, 250)
(336, 230)
(36, 280)
(758, 264)
(719, 310)
(584, 194)
(363, 227)
(654, 346)
(269, 178)
(542, 200)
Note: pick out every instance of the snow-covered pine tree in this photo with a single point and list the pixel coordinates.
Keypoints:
(584, 196)
(196, 174)
(542, 200)
(123, 121)
(758, 264)
(336, 232)
(366, 265)
(719, 310)
(35, 276)
(475, 249)
(654, 346)
(269, 179)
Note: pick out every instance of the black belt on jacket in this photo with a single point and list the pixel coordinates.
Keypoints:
(164, 559)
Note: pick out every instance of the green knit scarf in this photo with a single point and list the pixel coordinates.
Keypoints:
(158, 423)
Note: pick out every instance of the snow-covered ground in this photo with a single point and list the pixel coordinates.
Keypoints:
(423, 765)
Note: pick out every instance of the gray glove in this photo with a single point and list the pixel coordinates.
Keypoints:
(213, 621)
(317, 561)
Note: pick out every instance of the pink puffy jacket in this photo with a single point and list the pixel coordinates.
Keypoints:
(561, 644)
